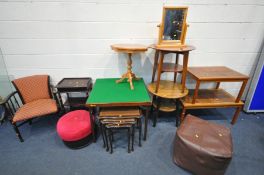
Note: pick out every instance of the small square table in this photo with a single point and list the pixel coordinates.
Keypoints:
(217, 74)
(217, 97)
(107, 93)
(69, 85)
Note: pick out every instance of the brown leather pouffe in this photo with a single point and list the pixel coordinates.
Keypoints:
(202, 147)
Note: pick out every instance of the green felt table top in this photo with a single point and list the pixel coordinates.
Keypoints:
(107, 91)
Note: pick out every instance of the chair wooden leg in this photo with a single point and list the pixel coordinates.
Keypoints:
(18, 133)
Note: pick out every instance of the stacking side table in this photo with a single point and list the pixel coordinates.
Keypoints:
(106, 93)
(214, 98)
(168, 91)
(170, 67)
(119, 118)
(129, 49)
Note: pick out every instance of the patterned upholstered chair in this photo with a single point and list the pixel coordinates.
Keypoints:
(32, 98)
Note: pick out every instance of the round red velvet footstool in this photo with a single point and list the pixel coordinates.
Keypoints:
(74, 128)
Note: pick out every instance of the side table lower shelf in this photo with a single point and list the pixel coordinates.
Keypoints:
(211, 98)
(75, 102)
(163, 100)
(166, 105)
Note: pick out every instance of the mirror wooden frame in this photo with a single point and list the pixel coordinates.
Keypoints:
(172, 43)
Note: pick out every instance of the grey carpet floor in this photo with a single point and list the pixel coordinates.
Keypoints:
(44, 153)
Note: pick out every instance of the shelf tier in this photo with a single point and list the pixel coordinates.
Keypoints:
(166, 105)
(75, 101)
(168, 89)
(171, 67)
(210, 98)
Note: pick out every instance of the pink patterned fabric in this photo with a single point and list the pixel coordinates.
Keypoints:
(35, 108)
(33, 87)
(74, 125)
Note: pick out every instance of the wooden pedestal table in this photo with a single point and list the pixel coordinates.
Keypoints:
(168, 91)
(129, 49)
(214, 98)
(170, 67)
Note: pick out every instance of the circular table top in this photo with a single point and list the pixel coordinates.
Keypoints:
(184, 48)
(168, 89)
(129, 48)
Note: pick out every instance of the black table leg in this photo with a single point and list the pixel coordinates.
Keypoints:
(133, 137)
(106, 138)
(146, 123)
(92, 119)
(157, 113)
(177, 112)
(140, 130)
(110, 133)
(128, 136)
(101, 131)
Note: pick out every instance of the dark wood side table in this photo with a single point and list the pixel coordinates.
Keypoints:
(214, 98)
(167, 67)
(79, 85)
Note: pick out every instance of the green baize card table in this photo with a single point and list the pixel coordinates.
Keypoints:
(107, 93)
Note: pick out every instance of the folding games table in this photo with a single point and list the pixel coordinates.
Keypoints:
(107, 93)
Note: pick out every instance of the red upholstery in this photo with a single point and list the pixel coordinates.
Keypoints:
(74, 125)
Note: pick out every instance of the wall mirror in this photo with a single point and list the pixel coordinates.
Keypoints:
(173, 27)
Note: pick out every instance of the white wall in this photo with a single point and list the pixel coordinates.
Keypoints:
(69, 38)
(5, 84)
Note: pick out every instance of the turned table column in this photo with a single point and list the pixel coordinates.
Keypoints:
(129, 49)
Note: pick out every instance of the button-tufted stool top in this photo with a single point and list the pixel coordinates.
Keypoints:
(74, 125)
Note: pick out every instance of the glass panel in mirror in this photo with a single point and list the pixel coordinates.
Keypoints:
(173, 24)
